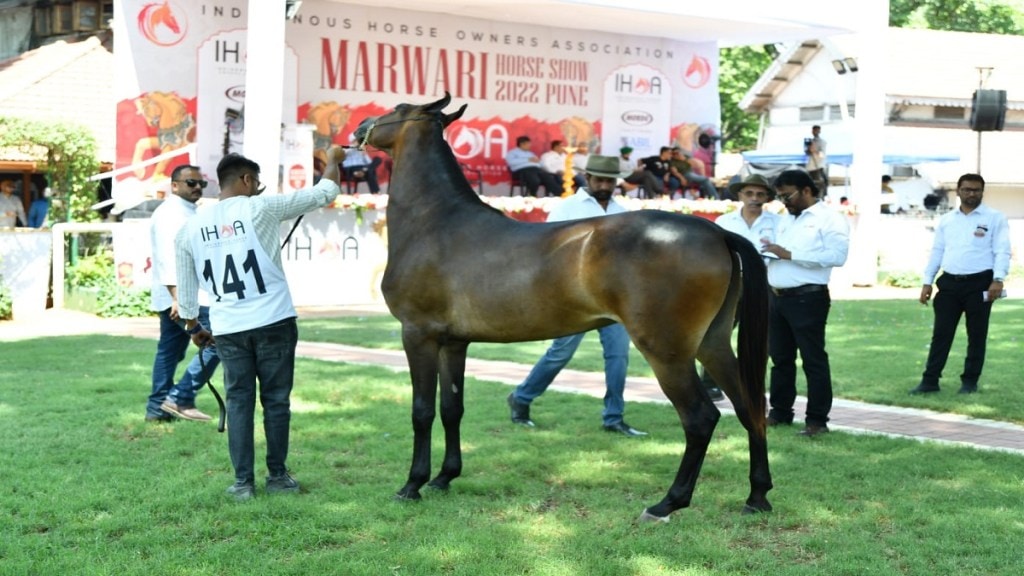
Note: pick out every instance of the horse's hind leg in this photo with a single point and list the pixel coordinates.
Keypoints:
(422, 356)
(453, 370)
(724, 368)
(699, 417)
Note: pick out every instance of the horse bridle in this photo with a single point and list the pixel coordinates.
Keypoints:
(374, 124)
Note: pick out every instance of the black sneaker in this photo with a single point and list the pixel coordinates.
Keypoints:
(520, 412)
(923, 389)
(242, 491)
(282, 483)
(623, 428)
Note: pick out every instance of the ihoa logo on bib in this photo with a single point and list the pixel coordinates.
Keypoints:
(163, 23)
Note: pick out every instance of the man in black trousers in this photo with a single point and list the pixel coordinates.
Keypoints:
(972, 247)
(809, 244)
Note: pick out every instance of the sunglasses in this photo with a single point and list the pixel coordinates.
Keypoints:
(787, 197)
(193, 183)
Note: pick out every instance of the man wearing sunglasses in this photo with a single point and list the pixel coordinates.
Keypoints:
(232, 250)
(168, 400)
(809, 243)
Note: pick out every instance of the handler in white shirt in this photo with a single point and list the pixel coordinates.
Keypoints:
(809, 244)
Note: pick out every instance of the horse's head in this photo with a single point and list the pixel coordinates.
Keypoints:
(386, 131)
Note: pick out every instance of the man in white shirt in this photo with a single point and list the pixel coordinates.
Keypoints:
(525, 166)
(166, 399)
(12, 210)
(233, 250)
(553, 162)
(754, 224)
(594, 200)
(808, 245)
(972, 247)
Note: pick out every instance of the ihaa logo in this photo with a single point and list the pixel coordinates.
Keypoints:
(698, 72)
(466, 142)
(158, 23)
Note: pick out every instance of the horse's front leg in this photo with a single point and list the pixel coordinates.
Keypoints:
(699, 417)
(422, 356)
(453, 371)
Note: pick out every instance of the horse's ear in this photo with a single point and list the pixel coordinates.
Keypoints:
(449, 118)
(440, 104)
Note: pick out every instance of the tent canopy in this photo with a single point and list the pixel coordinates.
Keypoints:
(845, 159)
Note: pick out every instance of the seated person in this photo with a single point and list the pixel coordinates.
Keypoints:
(359, 166)
(553, 162)
(525, 166)
(681, 173)
(638, 177)
(658, 166)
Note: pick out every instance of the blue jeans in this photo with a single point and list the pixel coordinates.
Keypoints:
(614, 342)
(170, 351)
(266, 354)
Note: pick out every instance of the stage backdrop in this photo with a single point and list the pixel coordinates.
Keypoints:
(182, 66)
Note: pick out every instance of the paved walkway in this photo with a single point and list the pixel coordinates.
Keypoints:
(857, 417)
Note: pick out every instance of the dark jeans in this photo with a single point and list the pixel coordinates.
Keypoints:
(955, 298)
(798, 324)
(533, 178)
(266, 354)
(170, 351)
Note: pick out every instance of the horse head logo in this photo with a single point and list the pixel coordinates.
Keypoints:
(159, 25)
(698, 72)
(466, 142)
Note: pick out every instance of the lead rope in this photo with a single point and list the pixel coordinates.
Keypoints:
(220, 401)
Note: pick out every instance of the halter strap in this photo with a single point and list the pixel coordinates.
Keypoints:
(366, 137)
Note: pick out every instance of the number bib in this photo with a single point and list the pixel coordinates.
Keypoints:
(247, 290)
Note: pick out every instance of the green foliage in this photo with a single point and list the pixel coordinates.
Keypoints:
(113, 301)
(68, 153)
(91, 270)
(903, 279)
(956, 15)
(738, 69)
(116, 301)
(6, 304)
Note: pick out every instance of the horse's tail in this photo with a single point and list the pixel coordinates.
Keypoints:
(753, 322)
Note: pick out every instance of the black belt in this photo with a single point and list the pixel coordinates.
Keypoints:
(964, 277)
(798, 290)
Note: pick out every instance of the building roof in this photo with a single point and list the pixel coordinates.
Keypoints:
(68, 81)
(923, 67)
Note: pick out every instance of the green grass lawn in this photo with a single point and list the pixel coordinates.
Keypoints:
(89, 488)
(877, 350)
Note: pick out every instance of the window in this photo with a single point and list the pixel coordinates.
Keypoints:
(87, 15)
(948, 113)
(836, 112)
(812, 113)
(42, 22)
(62, 19)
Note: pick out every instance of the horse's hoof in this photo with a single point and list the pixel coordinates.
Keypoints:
(407, 496)
(442, 486)
(648, 517)
(752, 509)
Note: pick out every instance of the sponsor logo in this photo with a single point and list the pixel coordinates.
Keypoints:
(637, 118)
(235, 94)
(163, 23)
(697, 73)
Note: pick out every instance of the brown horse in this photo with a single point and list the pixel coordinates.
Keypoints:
(459, 271)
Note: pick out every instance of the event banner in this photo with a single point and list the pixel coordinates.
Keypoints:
(182, 63)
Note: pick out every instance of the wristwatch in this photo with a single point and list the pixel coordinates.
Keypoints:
(195, 329)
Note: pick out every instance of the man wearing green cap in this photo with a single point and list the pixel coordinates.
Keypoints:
(637, 176)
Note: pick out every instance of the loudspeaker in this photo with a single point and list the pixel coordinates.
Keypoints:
(988, 110)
